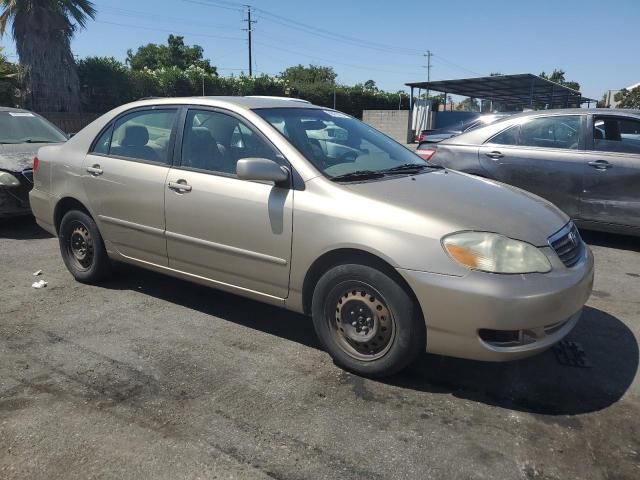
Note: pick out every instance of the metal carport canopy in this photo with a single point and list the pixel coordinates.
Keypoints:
(522, 89)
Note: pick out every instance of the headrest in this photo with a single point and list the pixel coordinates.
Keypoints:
(135, 136)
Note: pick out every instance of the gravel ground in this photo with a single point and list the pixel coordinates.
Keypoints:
(152, 377)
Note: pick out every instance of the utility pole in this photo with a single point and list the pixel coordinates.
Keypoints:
(249, 30)
(428, 55)
(426, 118)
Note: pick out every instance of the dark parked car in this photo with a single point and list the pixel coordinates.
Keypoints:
(439, 134)
(587, 162)
(21, 134)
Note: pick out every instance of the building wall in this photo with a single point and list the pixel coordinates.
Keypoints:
(394, 123)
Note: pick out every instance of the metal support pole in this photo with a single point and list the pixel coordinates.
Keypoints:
(531, 93)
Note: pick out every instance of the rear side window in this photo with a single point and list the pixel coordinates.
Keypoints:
(612, 134)
(141, 135)
(507, 137)
(551, 132)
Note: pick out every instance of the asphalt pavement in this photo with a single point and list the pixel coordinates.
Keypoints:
(153, 377)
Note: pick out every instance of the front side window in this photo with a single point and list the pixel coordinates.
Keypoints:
(101, 145)
(611, 134)
(561, 131)
(215, 141)
(27, 127)
(339, 145)
(143, 135)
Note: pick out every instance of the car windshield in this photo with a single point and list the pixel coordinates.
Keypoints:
(26, 127)
(341, 146)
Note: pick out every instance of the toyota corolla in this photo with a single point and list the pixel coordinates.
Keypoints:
(259, 197)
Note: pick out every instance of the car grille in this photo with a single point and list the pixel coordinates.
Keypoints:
(568, 244)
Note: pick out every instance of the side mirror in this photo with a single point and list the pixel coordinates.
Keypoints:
(71, 135)
(261, 169)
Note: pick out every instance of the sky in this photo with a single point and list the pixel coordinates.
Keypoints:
(597, 43)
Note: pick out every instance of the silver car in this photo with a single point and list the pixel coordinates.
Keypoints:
(587, 162)
(390, 256)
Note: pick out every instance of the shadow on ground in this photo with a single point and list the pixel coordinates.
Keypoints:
(21, 228)
(611, 240)
(539, 384)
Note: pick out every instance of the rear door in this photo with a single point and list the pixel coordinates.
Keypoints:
(543, 155)
(612, 171)
(124, 176)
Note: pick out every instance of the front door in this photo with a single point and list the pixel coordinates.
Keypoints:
(125, 177)
(543, 155)
(235, 232)
(612, 172)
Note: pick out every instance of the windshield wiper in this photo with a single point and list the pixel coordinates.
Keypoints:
(35, 140)
(410, 167)
(358, 175)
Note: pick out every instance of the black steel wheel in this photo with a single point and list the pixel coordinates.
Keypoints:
(366, 320)
(362, 325)
(82, 247)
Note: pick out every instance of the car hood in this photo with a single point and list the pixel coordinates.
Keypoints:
(18, 157)
(456, 201)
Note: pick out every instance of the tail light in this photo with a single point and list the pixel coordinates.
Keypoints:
(427, 153)
(36, 164)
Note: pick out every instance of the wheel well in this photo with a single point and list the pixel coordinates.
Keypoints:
(64, 206)
(343, 256)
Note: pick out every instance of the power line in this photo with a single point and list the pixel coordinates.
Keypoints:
(218, 4)
(138, 27)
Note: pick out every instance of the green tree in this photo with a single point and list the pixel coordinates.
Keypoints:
(558, 76)
(469, 105)
(42, 31)
(628, 98)
(174, 54)
(105, 83)
(9, 82)
(370, 85)
(313, 74)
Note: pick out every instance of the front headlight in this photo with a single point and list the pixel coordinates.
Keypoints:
(8, 180)
(491, 252)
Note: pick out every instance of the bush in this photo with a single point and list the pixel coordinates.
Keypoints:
(107, 83)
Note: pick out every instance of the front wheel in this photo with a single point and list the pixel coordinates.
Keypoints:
(366, 320)
(82, 248)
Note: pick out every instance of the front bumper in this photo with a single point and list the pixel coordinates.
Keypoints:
(539, 309)
(14, 201)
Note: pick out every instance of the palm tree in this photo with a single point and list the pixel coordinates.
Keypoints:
(42, 30)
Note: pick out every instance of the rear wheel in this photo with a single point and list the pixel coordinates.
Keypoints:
(366, 320)
(82, 248)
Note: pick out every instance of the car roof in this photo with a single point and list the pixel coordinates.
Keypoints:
(249, 102)
(481, 134)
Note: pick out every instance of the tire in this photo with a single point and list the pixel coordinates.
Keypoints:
(367, 321)
(82, 248)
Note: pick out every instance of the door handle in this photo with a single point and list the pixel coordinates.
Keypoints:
(495, 155)
(95, 170)
(600, 164)
(180, 186)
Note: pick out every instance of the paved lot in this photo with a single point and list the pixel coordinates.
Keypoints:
(151, 377)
